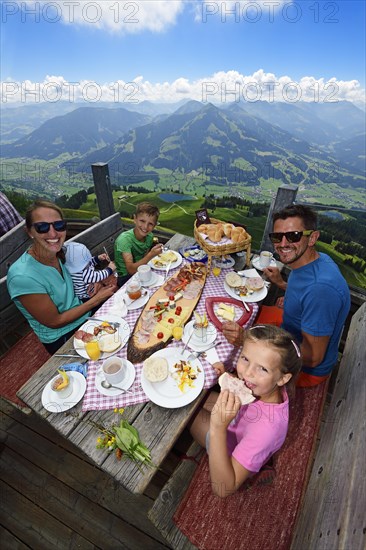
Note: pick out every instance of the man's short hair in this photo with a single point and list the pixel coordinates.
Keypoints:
(147, 208)
(308, 215)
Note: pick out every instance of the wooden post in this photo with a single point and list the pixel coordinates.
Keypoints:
(103, 189)
(286, 194)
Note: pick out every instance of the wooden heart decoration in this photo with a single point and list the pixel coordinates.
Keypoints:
(210, 302)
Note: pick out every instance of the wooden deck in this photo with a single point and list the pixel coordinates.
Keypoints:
(53, 497)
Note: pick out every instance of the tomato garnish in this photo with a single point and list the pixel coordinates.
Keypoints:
(160, 335)
(171, 320)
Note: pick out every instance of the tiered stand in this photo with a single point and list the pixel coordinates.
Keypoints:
(212, 249)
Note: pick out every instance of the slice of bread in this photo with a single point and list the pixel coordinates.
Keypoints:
(234, 280)
(254, 283)
(155, 369)
(109, 342)
(234, 385)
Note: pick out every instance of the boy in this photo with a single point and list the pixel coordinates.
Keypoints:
(134, 247)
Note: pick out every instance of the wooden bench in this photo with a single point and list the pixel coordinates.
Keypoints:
(332, 512)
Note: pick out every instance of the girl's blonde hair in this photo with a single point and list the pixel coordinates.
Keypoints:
(283, 343)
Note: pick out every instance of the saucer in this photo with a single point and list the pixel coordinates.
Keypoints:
(125, 384)
(54, 404)
(256, 263)
(195, 343)
(155, 280)
(136, 304)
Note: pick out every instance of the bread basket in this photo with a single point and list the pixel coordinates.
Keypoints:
(221, 249)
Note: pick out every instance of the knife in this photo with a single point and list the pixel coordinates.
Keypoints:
(113, 323)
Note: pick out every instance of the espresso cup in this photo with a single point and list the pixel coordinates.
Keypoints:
(133, 289)
(114, 369)
(265, 258)
(144, 273)
(199, 332)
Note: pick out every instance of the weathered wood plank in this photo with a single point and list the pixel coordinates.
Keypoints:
(333, 511)
(161, 514)
(12, 245)
(10, 542)
(103, 233)
(32, 525)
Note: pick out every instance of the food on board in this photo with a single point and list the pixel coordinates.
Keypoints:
(237, 386)
(234, 280)
(155, 369)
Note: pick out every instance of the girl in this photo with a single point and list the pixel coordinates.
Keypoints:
(241, 439)
(41, 286)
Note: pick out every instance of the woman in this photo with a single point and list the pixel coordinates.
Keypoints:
(41, 286)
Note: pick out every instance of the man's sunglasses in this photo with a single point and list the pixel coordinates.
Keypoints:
(291, 236)
(44, 227)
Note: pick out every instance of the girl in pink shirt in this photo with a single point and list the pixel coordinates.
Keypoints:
(241, 439)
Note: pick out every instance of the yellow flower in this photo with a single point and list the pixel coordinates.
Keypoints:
(115, 410)
(121, 411)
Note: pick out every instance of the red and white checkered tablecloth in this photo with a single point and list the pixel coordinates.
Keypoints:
(94, 400)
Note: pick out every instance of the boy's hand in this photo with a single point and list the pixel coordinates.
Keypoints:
(219, 368)
(225, 410)
(156, 250)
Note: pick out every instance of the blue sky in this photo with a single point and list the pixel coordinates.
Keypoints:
(171, 49)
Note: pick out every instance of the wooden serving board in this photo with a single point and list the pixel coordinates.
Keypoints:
(137, 350)
(210, 307)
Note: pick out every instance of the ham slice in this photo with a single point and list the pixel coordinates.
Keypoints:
(234, 385)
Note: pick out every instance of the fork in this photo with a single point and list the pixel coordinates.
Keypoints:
(113, 323)
(196, 354)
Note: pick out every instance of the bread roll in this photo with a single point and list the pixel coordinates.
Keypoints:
(228, 227)
(215, 234)
(238, 234)
(155, 369)
(254, 283)
(234, 280)
(203, 228)
(109, 342)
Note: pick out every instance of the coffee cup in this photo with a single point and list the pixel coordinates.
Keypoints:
(133, 289)
(199, 332)
(265, 258)
(114, 369)
(144, 273)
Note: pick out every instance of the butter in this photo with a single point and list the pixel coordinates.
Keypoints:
(227, 315)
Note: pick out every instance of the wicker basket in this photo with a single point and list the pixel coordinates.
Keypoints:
(217, 249)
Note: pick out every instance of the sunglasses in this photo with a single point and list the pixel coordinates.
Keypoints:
(291, 236)
(44, 227)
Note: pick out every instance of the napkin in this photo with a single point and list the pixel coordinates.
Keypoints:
(249, 273)
(211, 356)
(77, 367)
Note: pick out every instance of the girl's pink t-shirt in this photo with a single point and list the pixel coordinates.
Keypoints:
(257, 432)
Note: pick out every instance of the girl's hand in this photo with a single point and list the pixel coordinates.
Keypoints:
(219, 368)
(225, 410)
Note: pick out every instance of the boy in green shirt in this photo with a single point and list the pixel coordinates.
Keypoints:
(134, 247)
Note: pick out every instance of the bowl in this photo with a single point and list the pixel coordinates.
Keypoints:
(64, 392)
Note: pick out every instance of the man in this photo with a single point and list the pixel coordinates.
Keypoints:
(317, 298)
(9, 216)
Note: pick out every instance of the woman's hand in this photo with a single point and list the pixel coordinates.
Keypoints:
(225, 410)
(233, 333)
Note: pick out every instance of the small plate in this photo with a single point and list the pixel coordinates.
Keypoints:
(124, 384)
(173, 265)
(54, 404)
(225, 264)
(166, 393)
(155, 280)
(257, 265)
(123, 331)
(196, 344)
(194, 253)
(136, 304)
(257, 296)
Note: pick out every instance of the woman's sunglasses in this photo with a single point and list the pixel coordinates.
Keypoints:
(44, 227)
(291, 236)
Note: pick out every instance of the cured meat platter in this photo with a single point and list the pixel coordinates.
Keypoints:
(222, 309)
(167, 311)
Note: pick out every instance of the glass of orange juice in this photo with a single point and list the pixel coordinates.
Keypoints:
(216, 266)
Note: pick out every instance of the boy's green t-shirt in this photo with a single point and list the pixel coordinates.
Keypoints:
(127, 242)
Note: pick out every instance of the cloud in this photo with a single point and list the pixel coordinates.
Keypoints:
(122, 16)
(220, 88)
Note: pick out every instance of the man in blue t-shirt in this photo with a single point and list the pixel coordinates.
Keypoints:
(317, 297)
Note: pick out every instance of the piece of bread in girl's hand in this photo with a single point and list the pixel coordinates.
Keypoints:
(237, 386)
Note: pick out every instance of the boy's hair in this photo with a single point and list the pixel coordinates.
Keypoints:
(308, 215)
(282, 342)
(147, 208)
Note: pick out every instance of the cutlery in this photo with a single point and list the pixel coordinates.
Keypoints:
(107, 386)
(186, 344)
(167, 271)
(66, 355)
(197, 354)
(113, 323)
(246, 306)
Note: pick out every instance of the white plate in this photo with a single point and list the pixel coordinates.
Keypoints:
(54, 404)
(136, 304)
(124, 384)
(257, 296)
(257, 265)
(166, 393)
(226, 265)
(173, 265)
(123, 332)
(196, 344)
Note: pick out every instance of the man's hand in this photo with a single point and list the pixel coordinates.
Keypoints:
(233, 333)
(273, 274)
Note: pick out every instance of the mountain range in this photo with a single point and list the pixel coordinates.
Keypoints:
(306, 143)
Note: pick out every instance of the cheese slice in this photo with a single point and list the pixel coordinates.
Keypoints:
(226, 307)
(227, 315)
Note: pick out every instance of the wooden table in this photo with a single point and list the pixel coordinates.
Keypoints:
(159, 428)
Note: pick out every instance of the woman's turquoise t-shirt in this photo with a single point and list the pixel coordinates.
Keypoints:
(27, 276)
